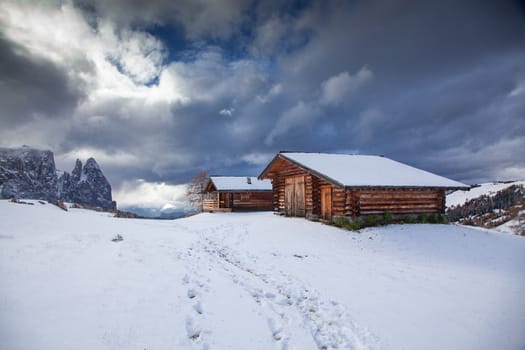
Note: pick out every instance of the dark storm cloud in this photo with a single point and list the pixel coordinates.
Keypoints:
(175, 140)
(442, 75)
(32, 87)
(224, 85)
(406, 40)
(197, 18)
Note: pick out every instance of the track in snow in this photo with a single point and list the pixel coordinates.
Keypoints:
(296, 315)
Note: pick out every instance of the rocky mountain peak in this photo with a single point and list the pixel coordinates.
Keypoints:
(87, 185)
(30, 173)
(76, 174)
(91, 163)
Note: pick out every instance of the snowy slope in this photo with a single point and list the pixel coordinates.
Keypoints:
(490, 188)
(508, 218)
(253, 281)
(513, 226)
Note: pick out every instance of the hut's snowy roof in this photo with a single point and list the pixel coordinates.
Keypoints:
(240, 183)
(368, 171)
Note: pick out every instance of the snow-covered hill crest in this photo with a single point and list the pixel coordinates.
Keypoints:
(499, 205)
(253, 281)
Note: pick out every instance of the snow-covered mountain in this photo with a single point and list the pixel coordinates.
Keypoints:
(27, 173)
(31, 174)
(499, 205)
(86, 185)
(253, 281)
(168, 211)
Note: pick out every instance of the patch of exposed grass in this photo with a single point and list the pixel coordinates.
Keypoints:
(387, 219)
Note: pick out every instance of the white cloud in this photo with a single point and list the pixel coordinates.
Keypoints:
(218, 19)
(518, 90)
(269, 35)
(339, 87)
(333, 91)
(299, 115)
(510, 173)
(142, 194)
(111, 62)
(275, 90)
(140, 55)
(209, 77)
(40, 133)
(165, 163)
(369, 121)
(118, 158)
(57, 33)
(115, 65)
(489, 162)
(227, 112)
(257, 158)
(120, 63)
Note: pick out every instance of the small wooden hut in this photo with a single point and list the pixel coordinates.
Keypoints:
(321, 185)
(237, 193)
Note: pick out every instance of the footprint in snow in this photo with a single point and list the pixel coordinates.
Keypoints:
(198, 307)
(276, 329)
(192, 330)
(191, 293)
(269, 295)
(278, 334)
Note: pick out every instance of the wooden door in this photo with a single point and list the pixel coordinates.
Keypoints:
(294, 198)
(326, 203)
(226, 200)
(220, 200)
(289, 196)
(300, 207)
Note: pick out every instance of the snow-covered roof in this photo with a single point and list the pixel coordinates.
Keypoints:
(240, 183)
(350, 170)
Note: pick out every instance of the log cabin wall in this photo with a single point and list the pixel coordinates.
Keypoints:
(225, 199)
(356, 202)
(238, 201)
(394, 200)
(316, 196)
(252, 201)
(278, 184)
(338, 201)
(209, 205)
(312, 186)
(353, 202)
(277, 187)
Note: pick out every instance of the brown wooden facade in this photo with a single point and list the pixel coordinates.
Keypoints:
(226, 201)
(303, 192)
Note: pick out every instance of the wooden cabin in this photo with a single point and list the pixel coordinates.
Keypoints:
(326, 186)
(237, 193)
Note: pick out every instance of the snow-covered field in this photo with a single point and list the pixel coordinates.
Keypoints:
(253, 281)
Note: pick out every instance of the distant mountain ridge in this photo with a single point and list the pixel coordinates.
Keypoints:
(31, 174)
(155, 213)
(498, 205)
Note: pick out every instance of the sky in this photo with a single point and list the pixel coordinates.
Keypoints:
(156, 91)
